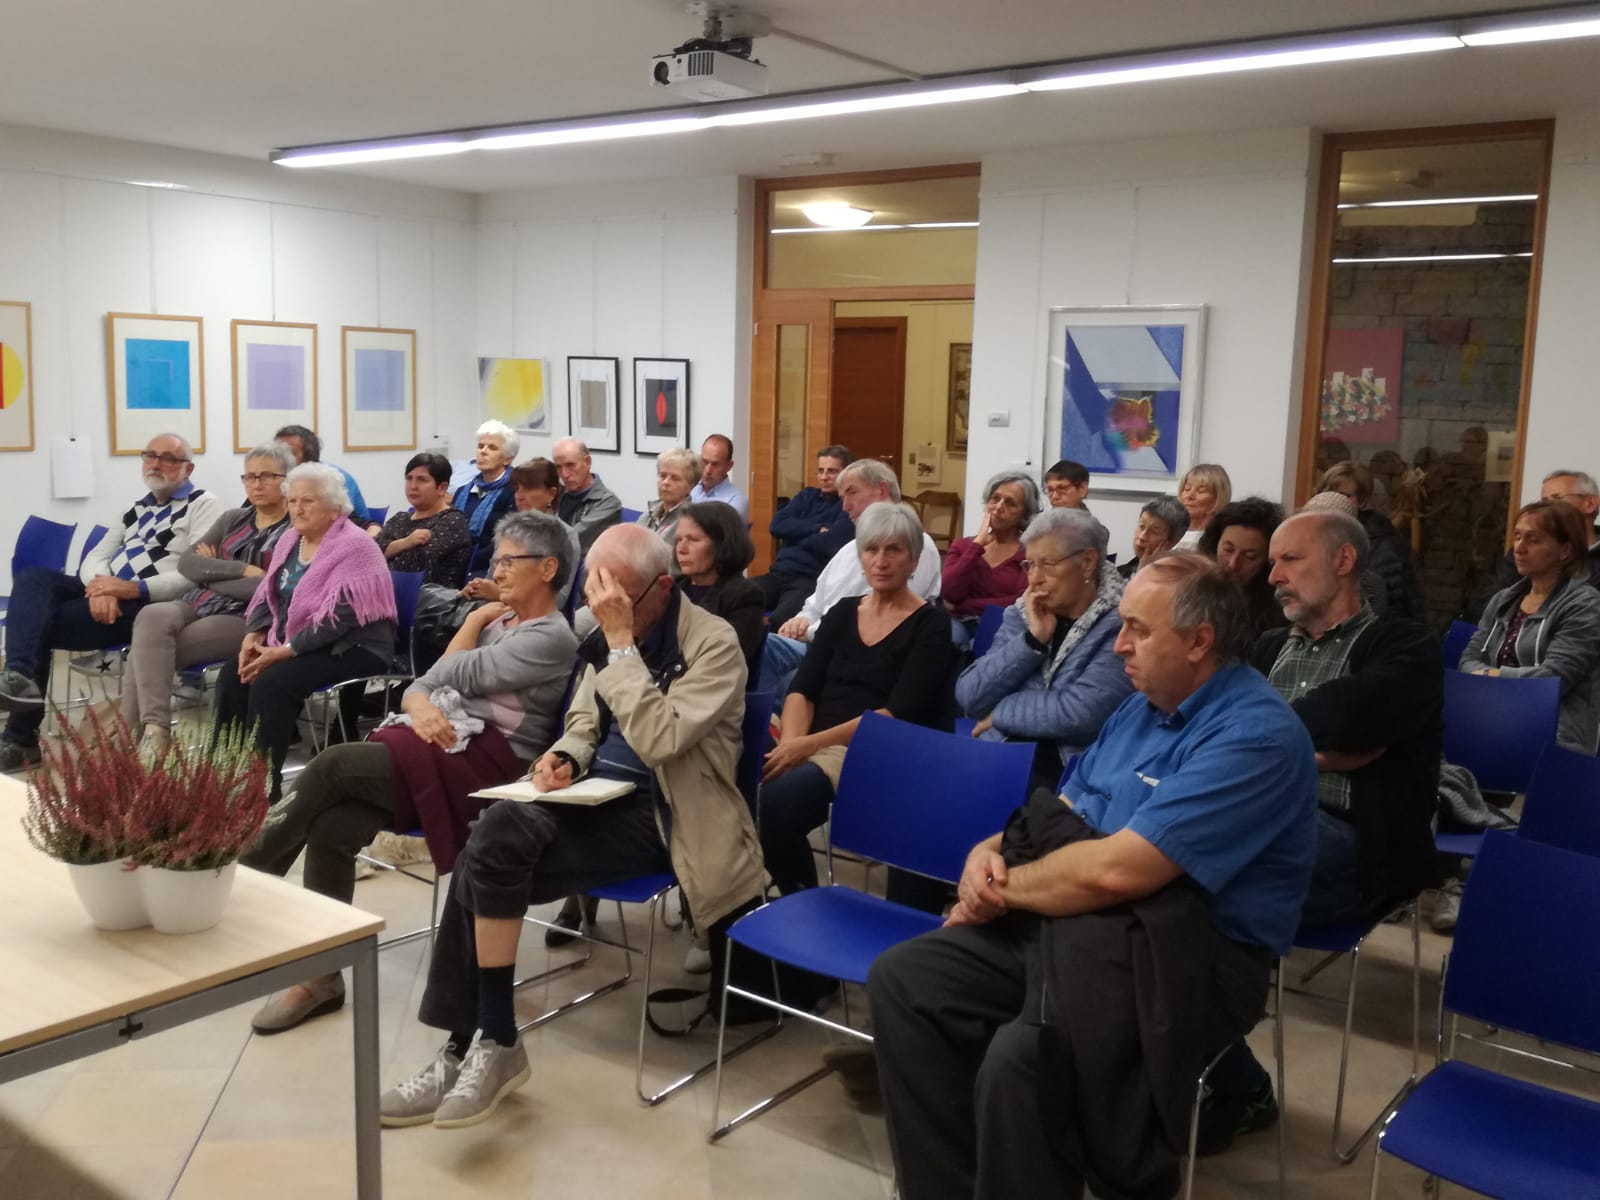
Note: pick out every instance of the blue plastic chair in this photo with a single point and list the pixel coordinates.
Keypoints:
(96, 535)
(1514, 966)
(630, 516)
(909, 797)
(378, 514)
(1455, 643)
(41, 543)
(1563, 803)
(407, 590)
(1497, 728)
(988, 625)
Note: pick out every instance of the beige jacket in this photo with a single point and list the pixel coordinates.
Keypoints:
(690, 736)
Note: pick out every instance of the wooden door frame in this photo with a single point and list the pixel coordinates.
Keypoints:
(1334, 146)
(773, 307)
(901, 327)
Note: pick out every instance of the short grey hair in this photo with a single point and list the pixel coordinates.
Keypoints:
(1337, 529)
(1030, 492)
(540, 533)
(510, 443)
(680, 461)
(1585, 482)
(642, 553)
(328, 482)
(874, 474)
(1203, 593)
(1170, 510)
(281, 458)
(1072, 530)
(890, 522)
(188, 450)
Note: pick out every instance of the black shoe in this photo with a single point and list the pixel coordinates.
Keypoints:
(18, 693)
(569, 921)
(1225, 1117)
(14, 756)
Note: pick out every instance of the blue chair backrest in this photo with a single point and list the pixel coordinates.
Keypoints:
(1524, 956)
(630, 516)
(916, 798)
(1455, 643)
(1563, 804)
(42, 543)
(407, 591)
(575, 596)
(757, 731)
(1498, 727)
(96, 535)
(988, 625)
(378, 514)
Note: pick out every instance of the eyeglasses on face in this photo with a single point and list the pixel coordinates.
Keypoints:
(505, 560)
(261, 477)
(1049, 564)
(166, 460)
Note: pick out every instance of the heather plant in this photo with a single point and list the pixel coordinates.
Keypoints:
(95, 801)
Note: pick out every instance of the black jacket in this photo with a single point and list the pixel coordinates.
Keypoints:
(1390, 560)
(740, 603)
(1392, 697)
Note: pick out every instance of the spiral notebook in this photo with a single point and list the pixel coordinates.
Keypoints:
(585, 791)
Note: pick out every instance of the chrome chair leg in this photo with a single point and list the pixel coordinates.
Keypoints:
(604, 989)
(1348, 1154)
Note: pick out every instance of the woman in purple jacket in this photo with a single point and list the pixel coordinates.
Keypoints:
(987, 568)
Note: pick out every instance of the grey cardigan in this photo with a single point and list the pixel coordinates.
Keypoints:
(1561, 639)
(226, 576)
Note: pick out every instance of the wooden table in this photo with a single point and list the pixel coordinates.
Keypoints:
(68, 989)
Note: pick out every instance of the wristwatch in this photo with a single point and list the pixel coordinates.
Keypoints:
(614, 656)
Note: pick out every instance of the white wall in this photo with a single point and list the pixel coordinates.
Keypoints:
(1221, 220)
(638, 270)
(244, 241)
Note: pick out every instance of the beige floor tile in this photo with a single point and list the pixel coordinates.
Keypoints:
(790, 1155)
(662, 1159)
(320, 1168)
(129, 1172)
(23, 1101)
(123, 1108)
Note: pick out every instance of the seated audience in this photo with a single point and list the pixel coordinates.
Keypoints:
(1052, 676)
(1066, 484)
(489, 496)
(536, 484)
(1204, 489)
(660, 701)
(306, 447)
(1239, 538)
(1548, 622)
(1390, 558)
(716, 461)
(809, 529)
(324, 612)
(479, 717)
(1578, 489)
(677, 471)
(433, 537)
(226, 564)
(1030, 1055)
(1372, 587)
(887, 651)
(586, 504)
(1162, 522)
(135, 563)
(987, 568)
(713, 549)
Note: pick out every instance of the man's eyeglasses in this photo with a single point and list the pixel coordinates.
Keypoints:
(166, 460)
(263, 477)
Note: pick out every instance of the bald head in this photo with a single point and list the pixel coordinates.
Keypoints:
(1317, 560)
(572, 461)
(635, 559)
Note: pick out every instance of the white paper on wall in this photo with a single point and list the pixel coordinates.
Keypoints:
(71, 468)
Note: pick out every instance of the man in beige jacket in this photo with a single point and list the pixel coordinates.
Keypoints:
(660, 703)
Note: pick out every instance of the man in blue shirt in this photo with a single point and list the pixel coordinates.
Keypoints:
(1200, 790)
(809, 526)
(716, 460)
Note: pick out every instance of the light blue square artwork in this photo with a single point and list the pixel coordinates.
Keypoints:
(380, 383)
(277, 377)
(157, 373)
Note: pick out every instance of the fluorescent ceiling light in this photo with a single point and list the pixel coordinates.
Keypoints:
(836, 214)
(1443, 200)
(352, 153)
(942, 225)
(1416, 258)
(1504, 33)
(583, 133)
(875, 103)
(158, 183)
(839, 229)
(1089, 76)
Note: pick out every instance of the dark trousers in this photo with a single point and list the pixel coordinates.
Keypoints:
(49, 611)
(271, 704)
(954, 1015)
(341, 801)
(792, 805)
(784, 595)
(522, 854)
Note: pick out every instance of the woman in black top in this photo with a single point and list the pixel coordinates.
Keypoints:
(712, 547)
(887, 651)
(432, 537)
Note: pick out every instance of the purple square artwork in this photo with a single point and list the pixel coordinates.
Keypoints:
(277, 376)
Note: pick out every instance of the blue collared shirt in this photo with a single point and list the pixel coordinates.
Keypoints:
(725, 492)
(1226, 787)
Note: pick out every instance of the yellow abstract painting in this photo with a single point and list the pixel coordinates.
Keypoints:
(513, 391)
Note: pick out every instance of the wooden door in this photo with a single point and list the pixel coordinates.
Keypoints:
(868, 394)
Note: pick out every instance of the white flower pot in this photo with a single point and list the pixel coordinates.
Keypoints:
(185, 901)
(110, 893)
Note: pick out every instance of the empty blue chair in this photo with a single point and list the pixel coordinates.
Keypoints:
(1563, 803)
(1497, 728)
(40, 543)
(1455, 643)
(912, 798)
(988, 625)
(1515, 965)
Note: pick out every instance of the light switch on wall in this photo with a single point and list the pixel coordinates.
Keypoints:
(999, 420)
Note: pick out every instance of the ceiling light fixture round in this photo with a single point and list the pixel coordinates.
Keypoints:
(836, 214)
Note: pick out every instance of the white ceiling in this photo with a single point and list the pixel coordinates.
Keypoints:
(242, 78)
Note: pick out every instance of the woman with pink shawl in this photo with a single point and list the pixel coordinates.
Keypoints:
(324, 612)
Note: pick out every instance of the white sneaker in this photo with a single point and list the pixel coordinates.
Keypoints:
(1447, 907)
(489, 1074)
(414, 1101)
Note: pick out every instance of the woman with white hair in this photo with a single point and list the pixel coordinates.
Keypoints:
(323, 612)
(987, 568)
(677, 471)
(488, 496)
(888, 652)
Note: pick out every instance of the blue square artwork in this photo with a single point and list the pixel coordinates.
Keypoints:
(380, 382)
(157, 373)
(1121, 398)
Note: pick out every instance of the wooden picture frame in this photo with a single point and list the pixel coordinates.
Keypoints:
(16, 375)
(379, 370)
(155, 380)
(960, 398)
(274, 380)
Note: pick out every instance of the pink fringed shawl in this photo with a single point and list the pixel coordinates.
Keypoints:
(348, 569)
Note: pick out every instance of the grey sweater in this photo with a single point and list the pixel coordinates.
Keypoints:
(225, 576)
(514, 679)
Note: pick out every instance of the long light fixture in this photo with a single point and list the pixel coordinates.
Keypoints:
(1418, 258)
(1263, 54)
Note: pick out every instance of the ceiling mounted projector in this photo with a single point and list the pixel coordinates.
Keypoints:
(714, 66)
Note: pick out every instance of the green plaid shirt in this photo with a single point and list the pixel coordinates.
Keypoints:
(1304, 664)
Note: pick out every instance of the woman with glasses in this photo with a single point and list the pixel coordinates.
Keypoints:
(1052, 676)
(986, 568)
(478, 718)
(433, 537)
(207, 623)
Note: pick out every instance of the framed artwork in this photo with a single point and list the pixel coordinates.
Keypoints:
(928, 462)
(380, 388)
(1122, 393)
(514, 390)
(16, 375)
(155, 369)
(1500, 457)
(1361, 386)
(592, 402)
(660, 404)
(955, 438)
(274, 380)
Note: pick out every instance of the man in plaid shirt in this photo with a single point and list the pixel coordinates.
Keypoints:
(132, 565)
